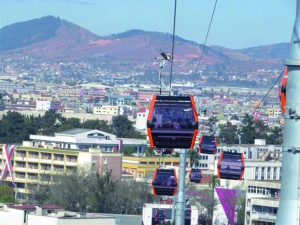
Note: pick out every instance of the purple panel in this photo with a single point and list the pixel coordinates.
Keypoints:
(227, 197)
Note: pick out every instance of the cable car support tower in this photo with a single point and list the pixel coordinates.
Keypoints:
(289, 205)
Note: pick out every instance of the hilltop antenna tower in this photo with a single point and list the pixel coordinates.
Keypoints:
(289, 205)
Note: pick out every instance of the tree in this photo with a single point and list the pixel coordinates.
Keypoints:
(228, 133)
(211, 123)
(127, 150)
(241, 208)
(97, 125)
(150, 152)
(215, 182)
(123, 128)
(51, 121)
(7, 194)
(234, 117)
(194, 157)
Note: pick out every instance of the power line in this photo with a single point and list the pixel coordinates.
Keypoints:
(266, 94)
(174, 25)
(211, 19)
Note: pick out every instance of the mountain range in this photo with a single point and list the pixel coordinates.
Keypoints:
(53, 39)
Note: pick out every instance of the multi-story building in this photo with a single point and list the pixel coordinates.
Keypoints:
(30, 163)
(106, 110)
(262, 201)
(83, 139)
(141, 119)
(8, 85)
(44, 105)
(120, 99)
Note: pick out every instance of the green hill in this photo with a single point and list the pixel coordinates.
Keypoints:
(23, 34)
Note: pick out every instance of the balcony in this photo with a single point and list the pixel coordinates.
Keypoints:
(20, 168)
(261, 216)
(21, 157)
(33, 158)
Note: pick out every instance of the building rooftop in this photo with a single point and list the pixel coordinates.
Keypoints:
(26, 207)
(74, 131)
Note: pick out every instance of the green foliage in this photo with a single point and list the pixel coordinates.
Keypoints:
(250, 131)
(240, 209)
(123, 128)
(194, 156)
(7, 194)
(228, 133)
(23, 34)
(150, 152)
(97, 125)
(212, 122)
(15, 127)
(215, 182)
(127, 150)
(84, 191)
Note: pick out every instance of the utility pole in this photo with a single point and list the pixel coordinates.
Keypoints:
(180, 201)
(288, 212)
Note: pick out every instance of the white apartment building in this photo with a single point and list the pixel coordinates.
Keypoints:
(262, 201)
(44, 105)
(106, 110)
(83, 139)
(141, 119)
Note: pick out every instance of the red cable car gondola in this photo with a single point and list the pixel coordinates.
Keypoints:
(208, 144)
(165, 151)
(231, 166)
(164, 182)
(195, 175)
(282, 89)
(160, 215)
(172, 122)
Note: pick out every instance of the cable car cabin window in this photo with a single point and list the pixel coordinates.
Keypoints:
(160, 215)
(164, 182)
(207, 144)
(231, 166)
(195, 175)
(172, 122)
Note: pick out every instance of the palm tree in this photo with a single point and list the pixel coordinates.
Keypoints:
(127, 150)
(194, 156)
(150, 152)
(215, 182)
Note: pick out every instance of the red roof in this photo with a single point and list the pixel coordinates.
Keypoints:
(141, 110)
(24, 207)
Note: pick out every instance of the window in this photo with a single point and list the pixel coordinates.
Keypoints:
(256, 173)
(269, 173)
(262, 173)
(274, 173)
(105, 161)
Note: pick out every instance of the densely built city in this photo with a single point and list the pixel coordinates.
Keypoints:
(92, 129)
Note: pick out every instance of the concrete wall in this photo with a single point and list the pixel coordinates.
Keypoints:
(3, 218)
(15, 217)
(44, 220)
(147, 216)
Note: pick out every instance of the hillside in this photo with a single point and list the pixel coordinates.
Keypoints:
(275, 51)
(24, 34)
(53, 39)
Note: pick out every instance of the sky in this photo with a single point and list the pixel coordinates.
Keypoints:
(237, 23)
